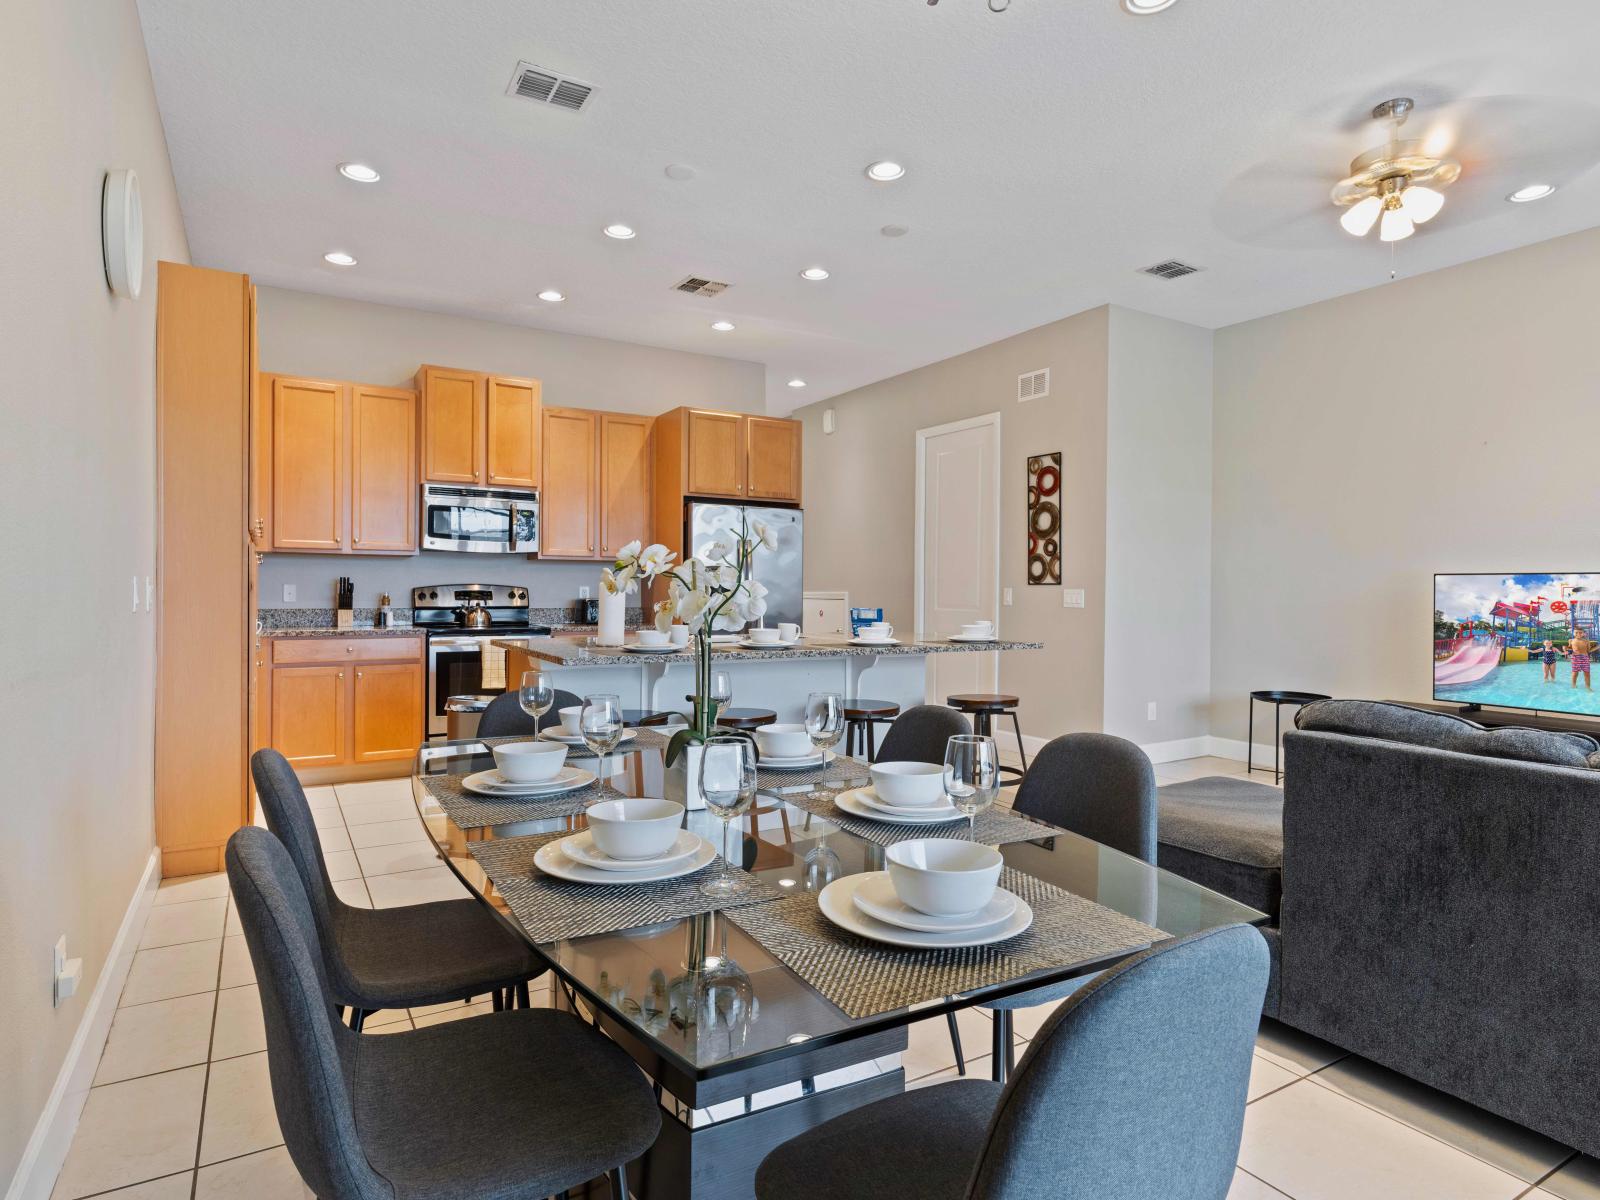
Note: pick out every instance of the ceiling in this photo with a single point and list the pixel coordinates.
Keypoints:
(1052, 151)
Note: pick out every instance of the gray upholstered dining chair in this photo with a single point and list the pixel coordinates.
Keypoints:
(920, 734)
(1101, 787)
(392, 957)
(1135, 1088)
(521, 1103)
(503, 717)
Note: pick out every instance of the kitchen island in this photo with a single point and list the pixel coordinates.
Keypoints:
(779, 678)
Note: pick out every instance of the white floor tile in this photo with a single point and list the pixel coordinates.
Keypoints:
(353, 892)
(169, 971)
(172, 1187)
(321, 798)
(1025, 1022)
(452, 1012)
(369, 811)
(1267, 1077)
(192, 887)
(333, 838)
(415, 887)
(237, 969)
(159, 1036)
(267, 1175)
(327, 818)
(369, 790)
(240, 1118)
(240, 1028)
(1248, 1187)
(389, 833)
(1314, 1144)
(385, 1016)
(1197, 768)
(191, 921)
(391, 860)
(930, 1049)
(233, 927)
(134, 1131)
(1579, 1179)
(976, 1069)
(341, 864)
(1293, 1050)
(400, 1026)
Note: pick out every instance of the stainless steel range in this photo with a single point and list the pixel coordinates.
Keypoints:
(461, 619)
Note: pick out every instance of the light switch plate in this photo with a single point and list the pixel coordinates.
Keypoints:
(135, 593)
(1005, 597)
(1071, 597)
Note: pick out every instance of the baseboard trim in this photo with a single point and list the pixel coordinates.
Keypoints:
(1238, 748)
(52, 1135)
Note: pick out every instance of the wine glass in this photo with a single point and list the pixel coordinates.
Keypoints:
(971, 776)
(601, 725)
(721, 690)
(825, 722)
(728, 783)
(536, 695)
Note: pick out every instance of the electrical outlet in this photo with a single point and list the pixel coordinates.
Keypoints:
(1005, 597)
(583, 593)
(288, 593)
(1071, 597)
(1150, 711)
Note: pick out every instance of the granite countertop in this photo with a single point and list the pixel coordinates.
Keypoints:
(357, 631)
(572, 652)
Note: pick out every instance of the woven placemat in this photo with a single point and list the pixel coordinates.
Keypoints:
(995, 826)
(551, 909)
(642, 739)
(468, 810)
(840, 772)
(865, 977)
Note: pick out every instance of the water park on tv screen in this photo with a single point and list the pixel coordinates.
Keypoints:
(1519, 641)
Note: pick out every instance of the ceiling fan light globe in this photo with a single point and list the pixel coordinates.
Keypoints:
(1395, 226)
(1421, 204)
(1359, 218)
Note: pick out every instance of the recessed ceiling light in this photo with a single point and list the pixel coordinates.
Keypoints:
(680, 172)
(895, 230)
(620, 231)
(797, 383)
(884, 171)
(1143, 8)
(551, 296)
(722, 326)
(360, 172)
(814, 273)
(1534, 191)
(339, 258)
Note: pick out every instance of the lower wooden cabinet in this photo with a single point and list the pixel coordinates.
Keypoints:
(335, 702)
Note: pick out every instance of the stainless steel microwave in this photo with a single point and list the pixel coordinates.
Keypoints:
(479, 520)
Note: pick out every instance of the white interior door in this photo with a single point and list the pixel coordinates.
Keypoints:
(958, 547)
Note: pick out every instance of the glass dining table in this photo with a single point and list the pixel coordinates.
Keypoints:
(744, 1053)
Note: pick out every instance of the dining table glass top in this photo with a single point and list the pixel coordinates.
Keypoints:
(705, 995)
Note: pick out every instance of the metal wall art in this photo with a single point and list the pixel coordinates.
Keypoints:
(1044, 518)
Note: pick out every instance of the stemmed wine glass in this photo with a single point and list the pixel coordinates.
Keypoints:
(825, 722)
(971, 776)
(721, 690)
(536, 695)
(728, 783)
(601, 725)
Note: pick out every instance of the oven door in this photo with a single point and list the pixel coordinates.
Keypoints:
(480, 520)
(455, 668)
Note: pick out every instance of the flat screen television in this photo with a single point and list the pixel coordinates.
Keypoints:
(1517, 641)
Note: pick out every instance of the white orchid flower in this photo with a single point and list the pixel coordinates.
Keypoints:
(621, 581)
(608, 580)
(663, 615)
(719, 550)
(764, 534)
(629, 552)
(654, 560)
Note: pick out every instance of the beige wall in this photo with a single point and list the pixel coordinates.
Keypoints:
(77, 490)
(861, 504)
(326, 337)
(1443, 423)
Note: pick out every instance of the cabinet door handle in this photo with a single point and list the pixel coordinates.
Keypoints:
(341, 674)
(349, 649)
(358, 674)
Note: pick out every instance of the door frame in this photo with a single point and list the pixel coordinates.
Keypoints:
(992, 420)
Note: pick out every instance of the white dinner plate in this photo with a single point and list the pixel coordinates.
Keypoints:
(558, 734)
(957, 637)
(552, 860)
(837, 903)
(861, 641)
(944, 810)
(876, 897)
(750, 645)
(491, 783)
(580, 848)
(804, 762)
(852, 803)
(635, 648)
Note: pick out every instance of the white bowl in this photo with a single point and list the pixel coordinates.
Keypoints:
(634, 829)
(943, 877)
(571, 720)
(908, 784)
(981, 630)
(653, 638)
(783, 741)
(530, 762)
(764, 636)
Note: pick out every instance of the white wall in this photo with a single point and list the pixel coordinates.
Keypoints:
(1443, 423)
(77, 487)
(1158, 529)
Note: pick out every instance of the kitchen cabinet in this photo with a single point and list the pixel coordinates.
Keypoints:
(624, 481)
(308, 463)
(772, 459)
(383, 470)
(386, 709)
(478, 429)
(569, 518)
(714, 448)
(346, 702)
(310, 714)
(733, 456)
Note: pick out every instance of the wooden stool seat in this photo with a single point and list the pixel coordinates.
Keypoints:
(646, 716)
(746, 718)
(983, 707)
(861, 719)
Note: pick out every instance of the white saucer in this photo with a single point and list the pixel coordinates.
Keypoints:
(635, 648)
(837, 903)
(580, 848)
(749, 645)
(804, 762)
(944, 809)
(876, 897)
(957, 637)
(552, 860)
(567, 739)
(861, 641)
(852, 803)
(490, 783)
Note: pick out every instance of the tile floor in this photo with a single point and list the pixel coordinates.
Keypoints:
(182, 1106)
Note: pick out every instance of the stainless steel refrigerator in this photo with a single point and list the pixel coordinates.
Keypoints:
(779, 569)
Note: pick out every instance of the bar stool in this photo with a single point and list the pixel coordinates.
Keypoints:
(743, 718)
(645, 716)
(861, 717)
(983, 707)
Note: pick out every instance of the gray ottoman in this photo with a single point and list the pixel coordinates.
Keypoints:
(1225, 833)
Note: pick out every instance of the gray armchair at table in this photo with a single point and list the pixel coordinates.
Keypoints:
(920, 734)
(450, 1110)
(1136, 1086)
(504, 716)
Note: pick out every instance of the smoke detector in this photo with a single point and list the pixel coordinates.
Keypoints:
(696, 286)
(547, 87)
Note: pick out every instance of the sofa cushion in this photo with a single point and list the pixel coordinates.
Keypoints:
(1445, 731)
(1226, 834)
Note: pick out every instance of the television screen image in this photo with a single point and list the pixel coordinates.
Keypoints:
(1517, 641)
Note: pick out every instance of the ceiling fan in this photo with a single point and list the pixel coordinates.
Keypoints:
(1396, 186)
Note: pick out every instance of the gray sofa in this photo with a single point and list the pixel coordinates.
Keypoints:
(1436, 895)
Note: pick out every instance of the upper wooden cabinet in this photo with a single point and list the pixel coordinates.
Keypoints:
(343, 466)
(624, 481)
(714, 446)
(772, 459)
(702, 453)
(479, 429)
(569, 504)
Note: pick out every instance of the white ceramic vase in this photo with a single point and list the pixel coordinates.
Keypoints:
(682, 778)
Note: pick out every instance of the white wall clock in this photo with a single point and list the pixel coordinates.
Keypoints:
(122, 233)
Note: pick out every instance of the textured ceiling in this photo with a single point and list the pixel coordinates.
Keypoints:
(1053, 150)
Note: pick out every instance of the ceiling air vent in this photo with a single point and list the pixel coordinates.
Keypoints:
(696, 286)
(536, 83)
(1171, 269)
(1033, 385)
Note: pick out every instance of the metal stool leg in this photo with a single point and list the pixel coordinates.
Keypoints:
(955, 1042)
(1250, 738)
(1021, 753)
(872, 741)
(1277, 742)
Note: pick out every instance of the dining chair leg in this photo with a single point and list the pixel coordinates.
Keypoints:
(619, 1183)
(955, 1043)
(499, 999)
(522, 995)
(1003, 1054)
(358, 1018)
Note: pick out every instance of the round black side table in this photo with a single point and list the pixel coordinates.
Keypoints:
(1277, 699)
